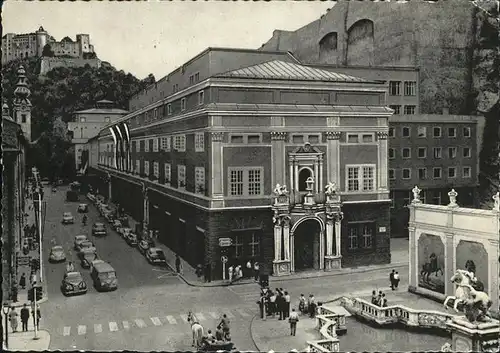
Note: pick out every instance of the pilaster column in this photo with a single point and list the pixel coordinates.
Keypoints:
(338, 230)
(383, 160)
(412, 278)
(321, 184)
(333, 152)
(278, 152)
(329, 238)
(449, 254)
(217, 165)
(296, 175)
(322, 250)
(286, 240)
(277, 242)
(316, 176)
(290, 166)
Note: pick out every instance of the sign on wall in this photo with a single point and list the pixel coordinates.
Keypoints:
(224, 242)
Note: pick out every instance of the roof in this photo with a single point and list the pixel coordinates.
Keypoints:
(281, 70)
(102, 111)
(103, 266)
(301, 108)
(104, 101)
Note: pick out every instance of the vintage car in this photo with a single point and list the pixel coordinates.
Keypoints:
(79, 239)
(131, 239)
(68, 218)
(83, 208)
(155, 256)
(57, 254)
(116, 224)
(87, 257)
(145, 244)
(73, 283)
(85, 245)
(99, 229)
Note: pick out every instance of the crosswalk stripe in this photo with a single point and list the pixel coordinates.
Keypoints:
(82, 329)
(113, 326)
(171, 320)
(214, 315)
(140, 323)
(125, 325)
(200, 316)
(97, 328)
(242, 313)
(66, 331)
(156, 321)
(184, 317)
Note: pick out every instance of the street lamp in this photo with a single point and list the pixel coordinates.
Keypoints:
(5, 310)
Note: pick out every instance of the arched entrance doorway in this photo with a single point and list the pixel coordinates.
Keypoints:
(306, 245)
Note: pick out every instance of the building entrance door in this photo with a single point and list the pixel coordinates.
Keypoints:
(306, 245)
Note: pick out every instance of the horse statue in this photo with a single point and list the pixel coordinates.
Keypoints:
(475, 303)
(196, 329)
(430, 267)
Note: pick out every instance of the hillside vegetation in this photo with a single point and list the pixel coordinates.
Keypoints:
(56, 96)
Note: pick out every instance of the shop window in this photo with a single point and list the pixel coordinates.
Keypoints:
(238, 245)
(352, 237)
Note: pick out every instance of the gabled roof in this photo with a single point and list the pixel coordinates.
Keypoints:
(281, 70)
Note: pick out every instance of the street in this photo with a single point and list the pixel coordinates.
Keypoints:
(148, 310)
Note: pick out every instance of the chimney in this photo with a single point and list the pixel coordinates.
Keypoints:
(446, 110)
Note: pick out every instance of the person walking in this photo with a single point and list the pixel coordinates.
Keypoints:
(312, 306)
(281, 304)
(293, 319)
(256, 269)
(230, 271)
(396, 279)
(33, 278)
(38, 316)
(391, 279)
(22, 281)
(272, 304)
(262, 305)
(25, 315)
(178, 264)
(13, 319)
(248, 271)
(225, 322)
(302, 303)
(287, 305)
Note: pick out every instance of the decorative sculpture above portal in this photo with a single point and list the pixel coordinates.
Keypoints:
(496, 199)
(280, 190)
(331, 188)
(453, 198)
(416, 194)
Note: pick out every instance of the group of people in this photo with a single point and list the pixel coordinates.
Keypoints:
(222, 333)
(278, 303)
(380, 299)
(237, 271)
(394, 279)
(25, 315)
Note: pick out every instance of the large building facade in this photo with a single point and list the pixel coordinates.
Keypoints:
(201, 155)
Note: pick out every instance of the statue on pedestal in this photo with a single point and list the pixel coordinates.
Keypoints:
(416, 194)
(281, 193)
(453, 198)
(331, 189)
(496, 199)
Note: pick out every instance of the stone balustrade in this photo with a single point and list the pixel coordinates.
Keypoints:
(329, 324)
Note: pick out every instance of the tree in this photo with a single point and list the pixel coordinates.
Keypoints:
(47, 51)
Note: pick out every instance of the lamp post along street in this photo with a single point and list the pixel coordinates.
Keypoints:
(40, 234)
(5, 310)
(35, 312)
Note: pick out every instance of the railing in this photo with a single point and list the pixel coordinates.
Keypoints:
(328, 323)
(396, 314)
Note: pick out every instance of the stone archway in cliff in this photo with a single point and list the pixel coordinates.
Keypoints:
(360, 43)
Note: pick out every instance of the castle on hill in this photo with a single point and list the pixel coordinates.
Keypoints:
(17, 46)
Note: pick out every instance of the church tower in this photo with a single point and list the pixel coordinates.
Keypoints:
(21, 111)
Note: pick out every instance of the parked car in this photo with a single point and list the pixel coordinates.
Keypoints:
(131, 239)
(85, 245)
(79, 239)
(108, 215)
(83, 208)
(73, 283)
(87, 258)
(68, 218)
(124, 231)
(91, 197)
(99, 229)
(57, 254)
(116, 224)
(90, 249)
(155, 256)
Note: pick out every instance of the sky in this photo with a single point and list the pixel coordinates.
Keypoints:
(159, 36)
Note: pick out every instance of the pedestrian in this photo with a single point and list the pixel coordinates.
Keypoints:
(225, 327)
(219, 334)
(38, 316)
(25, 315)
(70, 267)
(256, 270)
(374, 297)
(177, 263)
(272, 304)
(248, 271)
(302, 303)
(312, 306)
(262, 305)
(240, 272)
(391, 279)
(33, 278)
(287, 305)
(396, 279)
(293, 319)
(22, 281)
(230, 271)
(280, 300)
(383, 301)
(13, 319)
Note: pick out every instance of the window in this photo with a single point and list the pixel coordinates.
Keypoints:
(392, 132)
(253, 139)
(199, 142)
(146, 168)
(169, 109)
(410, 88)
(367, 236)
(422, 131)
(297, 139)
(436, 132)
(23, 118)
(83, 119)
(353, 238)
(238, 245)
(406, 152)
(396, 108)
(422, 152)
(254, 245)
(394, 88)
(352, 138)
(155, 113)
(452, 152)
(452, 172)
(201, 97)
(237, 139)
(466, 172)
(180, 143)
(437, 152)
(405, 131)
(360, 177)
(393, 199)
(436, 198)
(313, 139)
(409, 109)
(452, 132)
(367, 138)
(467, 132)
(181, 176)
(392, 153)
(168, 173)
(246, 181)
(146, 145)
(175, 87)
(392, 174)
(199, 180)
(156, 169)
(155, 144)
(165, 143)
(466, 152)
(197, 77)
(436, 173)
(406, 173)
(422, 173)
(183, 104)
